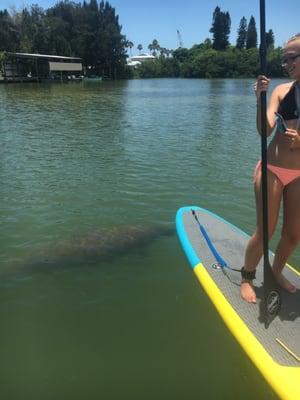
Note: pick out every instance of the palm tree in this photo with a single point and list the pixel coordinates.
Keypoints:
(164, 52)
(130, 45)
(140, 48)
(155, 46)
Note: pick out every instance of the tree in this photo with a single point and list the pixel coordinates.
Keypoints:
(90, 31)
(110, 43)
(207, 44)
(59, 28)
(93, 6)
(130, 45)
(270, 40)
(242, 34)
(220, 29)
(155, 46)
(251, 41)
(140, 48)
(164, 52)
(9, 35)
(181, 54)
(274, 62)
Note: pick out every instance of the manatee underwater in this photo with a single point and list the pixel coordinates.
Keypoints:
(90, 248)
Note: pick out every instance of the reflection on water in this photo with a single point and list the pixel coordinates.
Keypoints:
(78, 158)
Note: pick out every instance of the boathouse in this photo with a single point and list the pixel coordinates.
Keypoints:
(24, 67)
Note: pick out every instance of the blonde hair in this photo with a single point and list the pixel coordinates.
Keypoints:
(295, 37)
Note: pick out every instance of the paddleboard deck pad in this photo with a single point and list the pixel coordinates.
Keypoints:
(274, 349)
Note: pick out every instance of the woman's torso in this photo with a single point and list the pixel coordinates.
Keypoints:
(279, 150)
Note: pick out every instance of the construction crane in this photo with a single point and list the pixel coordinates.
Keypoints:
(179, 39)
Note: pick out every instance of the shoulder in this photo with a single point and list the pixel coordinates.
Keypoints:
(281, 90)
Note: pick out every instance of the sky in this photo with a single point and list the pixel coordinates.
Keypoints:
(144, 20)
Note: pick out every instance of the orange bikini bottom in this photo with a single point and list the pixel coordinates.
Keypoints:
(285, 175)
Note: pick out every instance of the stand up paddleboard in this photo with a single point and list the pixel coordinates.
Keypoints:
(215, 250)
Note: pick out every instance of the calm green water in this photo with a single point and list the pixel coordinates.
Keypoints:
(76, 158)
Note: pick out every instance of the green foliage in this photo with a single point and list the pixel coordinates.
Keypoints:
(270, 39)
(231, 63)
(2, 58)
(161, 67)
(274, 68)
(242, 34)
(202, 62)
(154, 47)
(9, 34)
(181, 54)
(251, 41)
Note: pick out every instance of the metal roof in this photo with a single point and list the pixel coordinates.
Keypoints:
(28, 55)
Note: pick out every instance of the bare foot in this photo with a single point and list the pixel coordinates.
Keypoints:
(247, 292)
(284, 283)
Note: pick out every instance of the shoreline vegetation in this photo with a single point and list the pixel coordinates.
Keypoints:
(91, 30)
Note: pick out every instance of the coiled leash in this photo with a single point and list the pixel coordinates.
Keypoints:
(220, 262)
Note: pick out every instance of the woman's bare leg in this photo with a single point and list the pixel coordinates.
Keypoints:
(254, 250)
(290, 234)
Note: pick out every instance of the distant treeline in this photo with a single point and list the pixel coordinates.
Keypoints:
(202, 61)
(91, 30)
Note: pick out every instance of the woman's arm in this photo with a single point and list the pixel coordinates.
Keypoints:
(262, 84)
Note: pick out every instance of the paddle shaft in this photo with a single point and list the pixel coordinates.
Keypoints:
(270, 285)
(263, 116)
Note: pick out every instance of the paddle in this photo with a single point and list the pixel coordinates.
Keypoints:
(271, 302)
